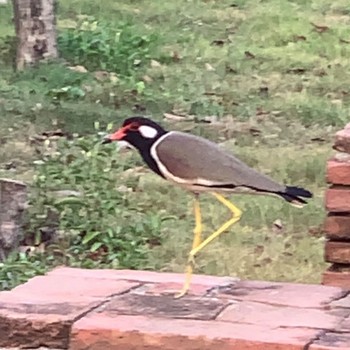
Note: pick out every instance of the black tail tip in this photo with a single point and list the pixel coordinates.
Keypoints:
(298, 192)
(294, 195)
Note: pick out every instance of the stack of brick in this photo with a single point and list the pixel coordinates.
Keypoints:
(337, 223)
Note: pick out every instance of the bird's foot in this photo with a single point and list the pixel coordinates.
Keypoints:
(190, 266)
(181, 293)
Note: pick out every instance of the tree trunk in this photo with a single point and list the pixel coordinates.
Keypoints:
(13, 202)
(35, 30)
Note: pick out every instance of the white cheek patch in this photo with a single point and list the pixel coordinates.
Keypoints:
(148, 132)
(124, 145)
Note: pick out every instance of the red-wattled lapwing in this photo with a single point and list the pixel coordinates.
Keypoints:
(199, 165)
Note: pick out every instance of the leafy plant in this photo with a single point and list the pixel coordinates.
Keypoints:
(93, 215)
(99, 45)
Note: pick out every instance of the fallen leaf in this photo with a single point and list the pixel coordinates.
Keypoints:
(296, 70)
(218, 42)
(209, 67)
(101, 75)
(318, 139)
(155, 64)
(299, 38)
(345, 41)
(319, 28)
(79, 69)
(229, 69)
(170, 116)
(254, 131)
(249, 55)
(278, 224)
(147, 79)
(176, 56)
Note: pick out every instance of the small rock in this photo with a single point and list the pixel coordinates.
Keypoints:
(155, 64)
(79, 69)
(209, 67)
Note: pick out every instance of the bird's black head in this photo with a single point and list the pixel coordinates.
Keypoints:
(139, 132)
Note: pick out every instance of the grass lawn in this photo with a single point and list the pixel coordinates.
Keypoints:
(267, 79)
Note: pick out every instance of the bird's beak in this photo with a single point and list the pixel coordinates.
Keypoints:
(117, 136)
(106, 140)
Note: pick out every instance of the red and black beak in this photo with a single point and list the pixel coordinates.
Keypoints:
(117, 136)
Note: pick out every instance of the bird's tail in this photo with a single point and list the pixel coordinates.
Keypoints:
(295, 195)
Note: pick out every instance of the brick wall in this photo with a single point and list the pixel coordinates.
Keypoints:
(337, 223)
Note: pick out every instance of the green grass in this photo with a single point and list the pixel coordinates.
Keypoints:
(276, 66)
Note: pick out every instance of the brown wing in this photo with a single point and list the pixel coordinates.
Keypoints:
(199, 161)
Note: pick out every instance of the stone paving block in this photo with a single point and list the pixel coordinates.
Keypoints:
(140, 276)
(287, 294)
(342, 303)
(33, 320)
(163, 306)
(41, 311)
(160, 289)
(73, 286)
(104, 331)
(332, 341)
(278, 316)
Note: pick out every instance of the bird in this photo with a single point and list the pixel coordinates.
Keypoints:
(199, 165)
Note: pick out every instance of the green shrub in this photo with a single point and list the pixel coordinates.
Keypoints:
(80, 181)
(99, 45)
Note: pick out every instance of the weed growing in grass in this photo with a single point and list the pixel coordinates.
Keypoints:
(97, 44)
(78, 204)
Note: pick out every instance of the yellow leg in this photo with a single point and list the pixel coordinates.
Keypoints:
(197, 246)
(196, 241)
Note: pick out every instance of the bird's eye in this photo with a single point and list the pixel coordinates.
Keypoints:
(134, 127)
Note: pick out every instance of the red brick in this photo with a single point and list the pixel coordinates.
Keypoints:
(342, 140)
(337, 227)
(278, 316)
(337, 252)
(287, 294)
(336, 279)
(103, 331)
(332, 341)
(338, 173)
(41, 311)
(338, 199)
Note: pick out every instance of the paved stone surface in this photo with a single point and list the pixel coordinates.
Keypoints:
(135, 310)
(41, 311)
(338, 173)
(332, 341)
(140, 276)
(343, 303)
(284, 294)
(164, 306)
(338, 199)
(140, 332)
(276, 316)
